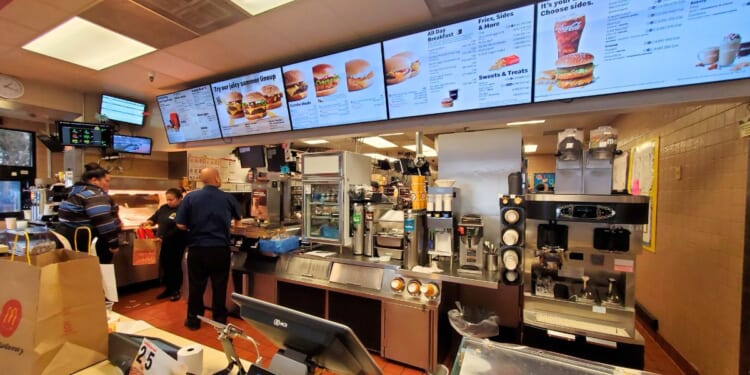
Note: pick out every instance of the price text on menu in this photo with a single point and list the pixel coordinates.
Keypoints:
(189, 115)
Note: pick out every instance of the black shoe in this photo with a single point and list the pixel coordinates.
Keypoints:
(164, 294)
(192, 324)
(175, 296)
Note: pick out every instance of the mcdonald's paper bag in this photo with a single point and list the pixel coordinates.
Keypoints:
(52, 315)
(145, 251)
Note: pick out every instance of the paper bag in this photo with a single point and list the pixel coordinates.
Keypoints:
(52, 315)
(145, 251)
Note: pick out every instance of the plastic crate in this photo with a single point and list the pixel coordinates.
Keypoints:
(279, 246)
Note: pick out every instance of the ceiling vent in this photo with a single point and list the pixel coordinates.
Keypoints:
(458, 8)
(198, 16)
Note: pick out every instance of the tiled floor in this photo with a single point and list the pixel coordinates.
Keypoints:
(170, 316)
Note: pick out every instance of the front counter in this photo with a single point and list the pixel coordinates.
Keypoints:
(400, 314)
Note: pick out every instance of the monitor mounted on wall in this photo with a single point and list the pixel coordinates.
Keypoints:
(122, 110)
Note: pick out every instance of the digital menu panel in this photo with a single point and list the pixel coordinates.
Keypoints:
(595, 47)
(480, 63)
(189, 115)
(252, 104)
(343, 88)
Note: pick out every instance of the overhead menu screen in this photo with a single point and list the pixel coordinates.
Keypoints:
(596, 47)
(189, 115)
(252, 104)
(343, 88)
(480, 63)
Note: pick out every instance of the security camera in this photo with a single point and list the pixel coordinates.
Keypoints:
(151, 76)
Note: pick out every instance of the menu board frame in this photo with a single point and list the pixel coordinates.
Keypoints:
(342, 79)
(167, 127)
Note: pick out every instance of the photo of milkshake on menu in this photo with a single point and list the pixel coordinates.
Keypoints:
(251, 104)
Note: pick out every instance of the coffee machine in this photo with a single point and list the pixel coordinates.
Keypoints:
(579, 273)
(442, 242)
(470, 250)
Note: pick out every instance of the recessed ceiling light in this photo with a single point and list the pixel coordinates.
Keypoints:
(525, 122)
(380, 157)
(426, 150)
(378, 142)
(529, 148)
(389, 134)
(315, 141)
(255, 7)
(87, 44)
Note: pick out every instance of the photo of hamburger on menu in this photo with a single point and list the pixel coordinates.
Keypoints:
(234, 105)
(255, 106)
(295, 86)
(571, 70)
(397, 69)
(273, 96)
(413, 62)
(358, 74)
(326, 79)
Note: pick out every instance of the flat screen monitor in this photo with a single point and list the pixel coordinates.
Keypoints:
(189, 115)
(479, 63)
(275, 158)
(610, 46)
(83, 134)
(251, 156)
(10, 198)
(338, 89)
(252, 104)
(324, 343)
(131, 145)
(122, 110)
(16, 148)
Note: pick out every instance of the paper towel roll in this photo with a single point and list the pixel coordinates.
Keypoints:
(192, 357)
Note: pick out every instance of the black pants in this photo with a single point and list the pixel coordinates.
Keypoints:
(170, 261)
(205, 262)
(83, 240)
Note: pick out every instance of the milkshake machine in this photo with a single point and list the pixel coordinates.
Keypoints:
(470, 251)
(442, 240)
(579, 275)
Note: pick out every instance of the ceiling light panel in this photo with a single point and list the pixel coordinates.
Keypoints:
(87, 44)
(315, 141)
(529, 122)
(380, 157)
(426, 150)
(378, 142)
(255, 7)
(529, 148)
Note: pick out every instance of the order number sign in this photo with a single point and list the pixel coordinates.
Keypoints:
(150, 360)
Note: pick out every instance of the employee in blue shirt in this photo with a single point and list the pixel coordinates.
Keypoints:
(207, 215)
(172, 244)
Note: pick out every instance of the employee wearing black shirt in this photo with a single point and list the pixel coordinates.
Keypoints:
(207, 215)
(173, 242)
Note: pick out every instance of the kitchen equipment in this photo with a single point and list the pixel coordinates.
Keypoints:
(369, 230)
(470, 254)
(415, 239)
(512, 237)
(442, 242)
(579, 268)
(326, 177)
(358, 222)
(569, 162)
(597, 171)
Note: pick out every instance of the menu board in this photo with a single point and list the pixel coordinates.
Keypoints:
(251, 104)
(343, 88)
(480, 63)
(595, 47)
(189, 115)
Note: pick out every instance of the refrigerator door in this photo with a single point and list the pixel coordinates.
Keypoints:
(323, 214)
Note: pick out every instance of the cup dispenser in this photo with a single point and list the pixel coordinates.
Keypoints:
(512, 239)
(470, 251)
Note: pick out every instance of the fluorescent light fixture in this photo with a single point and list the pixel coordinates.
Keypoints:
(389, 134)
(529, 148)
(378, 142)
(380, 157)
(525, 122)
(315, 141)
(255, 7)
(87, 44)
(426, 150)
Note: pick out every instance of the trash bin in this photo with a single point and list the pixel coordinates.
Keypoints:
(474, 322)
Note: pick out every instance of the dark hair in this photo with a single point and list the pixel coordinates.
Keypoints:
(174, 191)
(93, 170)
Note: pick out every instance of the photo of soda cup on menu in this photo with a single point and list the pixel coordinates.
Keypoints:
(568, 34)
(572, 68)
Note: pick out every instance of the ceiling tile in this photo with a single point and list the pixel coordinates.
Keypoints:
(35, 15)
(15, 34)
(380, 15)
(25, 64)
(133, 80)
(71, 6)
(166, 63)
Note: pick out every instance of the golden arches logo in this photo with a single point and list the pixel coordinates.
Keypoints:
(10, 317)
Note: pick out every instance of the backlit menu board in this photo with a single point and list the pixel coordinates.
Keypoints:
(480, 63)
(596, 47)
(252, 104)
(343, 88)
(189, 115)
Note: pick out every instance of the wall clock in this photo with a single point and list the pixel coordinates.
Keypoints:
(10, 87)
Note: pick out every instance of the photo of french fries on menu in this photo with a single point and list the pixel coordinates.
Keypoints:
(251, 104)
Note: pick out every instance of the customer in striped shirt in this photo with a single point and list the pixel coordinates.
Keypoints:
(89, 206)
